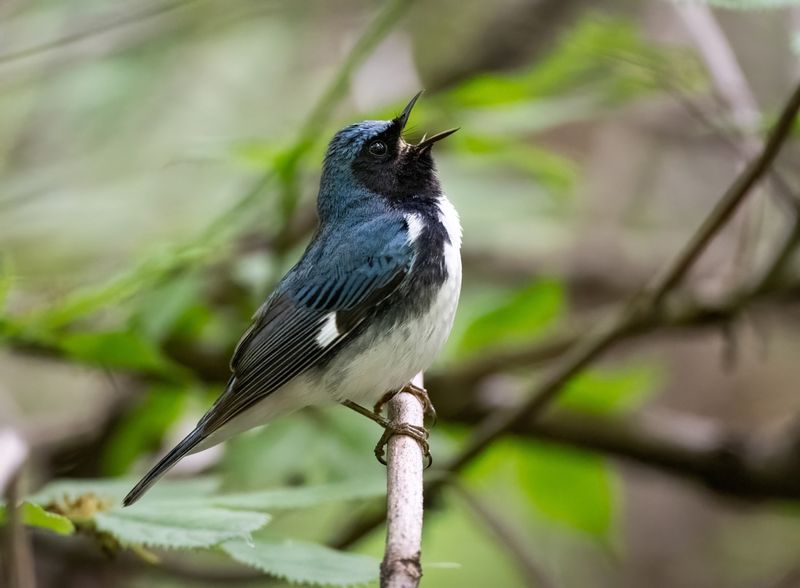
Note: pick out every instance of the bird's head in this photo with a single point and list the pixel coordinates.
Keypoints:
(372, 157)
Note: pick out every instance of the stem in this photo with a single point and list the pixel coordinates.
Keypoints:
(401, 567)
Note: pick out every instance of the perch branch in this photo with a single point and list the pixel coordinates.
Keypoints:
(644, 307)
(401, 566)
(647, 304)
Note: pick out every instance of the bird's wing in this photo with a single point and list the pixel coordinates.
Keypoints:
(299, 325)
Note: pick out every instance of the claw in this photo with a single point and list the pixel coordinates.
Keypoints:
(420, 393)
(419, 434)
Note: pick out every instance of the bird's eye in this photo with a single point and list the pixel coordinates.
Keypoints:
(378, 148)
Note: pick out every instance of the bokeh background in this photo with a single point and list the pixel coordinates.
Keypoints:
(159, 168)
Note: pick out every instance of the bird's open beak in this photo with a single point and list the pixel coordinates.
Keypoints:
(428, 142)
(403, 118)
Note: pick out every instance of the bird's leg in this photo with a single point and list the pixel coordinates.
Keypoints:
(390, 429)
(420, 393)
(373, 416)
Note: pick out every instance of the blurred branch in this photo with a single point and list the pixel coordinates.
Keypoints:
(209, 243)
(726, 206)
(643, 309)
(318, 118)
(401, 566)
(19, 569)
(731, 85)
(734, 464)
(726, 74)
(512, 543)
(145, 13)
(19, 566)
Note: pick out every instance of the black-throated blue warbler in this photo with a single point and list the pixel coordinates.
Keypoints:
(369, 305)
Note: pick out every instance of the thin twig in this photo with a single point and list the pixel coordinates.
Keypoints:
(401, 566)
(19, 569)
(731, 85)
(512, 543)
(643, 307)
(97, 29)
(727, 205)
(319, 116)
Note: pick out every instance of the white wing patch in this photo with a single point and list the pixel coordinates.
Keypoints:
(415, 225)
(329, 332)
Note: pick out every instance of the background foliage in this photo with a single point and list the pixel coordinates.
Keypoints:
(160, 162)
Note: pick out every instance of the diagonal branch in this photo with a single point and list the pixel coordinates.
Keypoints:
(644, 307)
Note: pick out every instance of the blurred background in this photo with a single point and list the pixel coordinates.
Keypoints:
(160, 162)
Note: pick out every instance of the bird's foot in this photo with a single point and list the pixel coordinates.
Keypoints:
(418, 392)
(419, 434)
(390, 429)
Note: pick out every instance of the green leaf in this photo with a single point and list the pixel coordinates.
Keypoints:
(517, 319)
(603, 57)
(161, 308)
(6, 279)
(142, 428)
(168, 525)
(306, 563)
(36, 516)
(146, 274)
(609, 391)
(112, 491)
(553, 171)
(303, 496)
(568, 487)
(118, 349)
(172, 515)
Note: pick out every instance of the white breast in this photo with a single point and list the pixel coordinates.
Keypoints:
(411, 347)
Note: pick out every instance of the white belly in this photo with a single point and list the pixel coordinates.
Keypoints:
(400, 354)
(363, 373)
(367, 374)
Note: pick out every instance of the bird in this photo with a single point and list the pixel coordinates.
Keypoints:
(369, 304)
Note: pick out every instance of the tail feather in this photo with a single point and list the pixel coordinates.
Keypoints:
(162, 467)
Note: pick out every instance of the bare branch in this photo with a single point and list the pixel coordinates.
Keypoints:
(642, 309)
(76, 36)
(401, 566)
(19, 569)
(727, 205)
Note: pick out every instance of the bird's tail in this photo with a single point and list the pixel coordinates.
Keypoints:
(163, 466)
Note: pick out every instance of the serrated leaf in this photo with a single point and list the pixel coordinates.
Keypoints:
(303, 496)
(112, 491)
(306, 563)
(517, 319)
(609, 391)
(167, 525)
(36, 516)
(568, 487)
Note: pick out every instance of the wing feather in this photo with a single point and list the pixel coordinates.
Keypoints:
(282, 341)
